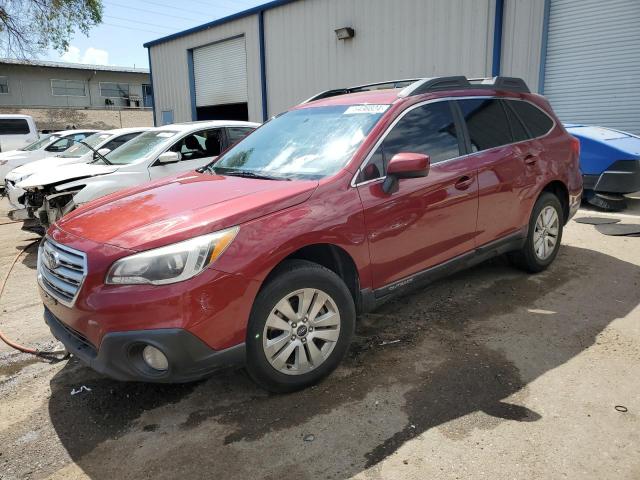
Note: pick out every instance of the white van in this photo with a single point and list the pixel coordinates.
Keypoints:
(16, 131)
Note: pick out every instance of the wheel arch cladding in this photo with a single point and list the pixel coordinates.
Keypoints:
(330, 256)
(561, 191)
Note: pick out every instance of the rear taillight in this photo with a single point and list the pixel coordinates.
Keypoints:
(575, 146)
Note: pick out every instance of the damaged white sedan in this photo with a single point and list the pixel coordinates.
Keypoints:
(157, 153)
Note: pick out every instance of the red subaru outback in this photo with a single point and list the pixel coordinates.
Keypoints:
(267, 255)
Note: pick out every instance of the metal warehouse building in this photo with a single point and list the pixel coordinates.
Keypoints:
(584, 55)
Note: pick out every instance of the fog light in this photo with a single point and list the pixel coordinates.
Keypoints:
(155, 358)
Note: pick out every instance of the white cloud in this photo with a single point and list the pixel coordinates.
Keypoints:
(96, 56)
(91, 55)
(71, 55)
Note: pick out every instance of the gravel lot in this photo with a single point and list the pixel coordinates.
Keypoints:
(490, 374)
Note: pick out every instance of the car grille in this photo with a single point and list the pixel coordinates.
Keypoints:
(61, 271)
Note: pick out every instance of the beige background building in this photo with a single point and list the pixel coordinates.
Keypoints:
(60, 95)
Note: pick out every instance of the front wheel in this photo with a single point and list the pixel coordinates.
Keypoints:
(300, 327)
(545, 233)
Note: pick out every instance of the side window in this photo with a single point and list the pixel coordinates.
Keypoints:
(487, 123)
(14, 126)
(518, 131)
(428, 129)
(121, 140)
(60, 145)
(236, 134)
(202, 144)
(536, 121)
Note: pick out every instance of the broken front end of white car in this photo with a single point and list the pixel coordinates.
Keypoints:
(43, 206)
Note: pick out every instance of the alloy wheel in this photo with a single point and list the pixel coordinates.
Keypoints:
(301, 331)
(545, 234)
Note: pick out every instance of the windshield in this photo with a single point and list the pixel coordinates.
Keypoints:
(41, 143)
(309, 143)
(78, 149)
(140, 147)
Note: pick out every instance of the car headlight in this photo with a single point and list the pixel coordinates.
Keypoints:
(173, 263)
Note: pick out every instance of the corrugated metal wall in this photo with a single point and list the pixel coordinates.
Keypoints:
(522, 40)
(394, 39)
(593, 62)
(171, 72)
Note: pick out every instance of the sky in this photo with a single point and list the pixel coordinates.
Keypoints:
(128, 24)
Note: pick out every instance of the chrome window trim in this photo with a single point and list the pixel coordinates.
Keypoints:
(443, 99)
(39, 275)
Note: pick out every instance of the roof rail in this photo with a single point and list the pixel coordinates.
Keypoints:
(419, 86)
(511, 84)
(363, 88)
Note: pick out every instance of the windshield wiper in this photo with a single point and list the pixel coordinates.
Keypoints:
(95, 152)
(250, 174)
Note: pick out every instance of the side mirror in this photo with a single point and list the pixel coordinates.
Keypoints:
(405, 165)
(104, 151)
(169, 157)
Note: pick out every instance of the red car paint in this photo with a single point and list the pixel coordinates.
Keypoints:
(462, 204)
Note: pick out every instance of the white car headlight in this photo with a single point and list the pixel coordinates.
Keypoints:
(173, 263)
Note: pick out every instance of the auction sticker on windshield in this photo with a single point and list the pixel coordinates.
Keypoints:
(370, 109)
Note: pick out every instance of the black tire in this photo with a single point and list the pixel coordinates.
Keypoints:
(610, 202)
(526, 258)
(291, 276)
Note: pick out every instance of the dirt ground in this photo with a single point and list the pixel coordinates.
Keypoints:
(490, 374)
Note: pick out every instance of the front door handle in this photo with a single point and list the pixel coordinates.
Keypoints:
(530, 159)
(464, 182)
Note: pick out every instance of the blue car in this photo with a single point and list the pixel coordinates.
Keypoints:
(610, 164)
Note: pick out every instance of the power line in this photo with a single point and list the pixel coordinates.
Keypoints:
(138, 21)
(136, 29)
(148, 12)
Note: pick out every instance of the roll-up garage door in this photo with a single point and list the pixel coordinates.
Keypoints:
(220, 73)
(592, 69)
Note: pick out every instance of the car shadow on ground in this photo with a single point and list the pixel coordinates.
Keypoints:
(420, 362)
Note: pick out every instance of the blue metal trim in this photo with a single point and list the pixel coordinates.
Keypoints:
(153, 90)
(543, 47)
(497, 38)
(220, 21)
(192, 85)
(263, 67)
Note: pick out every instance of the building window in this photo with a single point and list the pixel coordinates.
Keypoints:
(4, 85)
(68, 88)
(167, 117)
(114, 90)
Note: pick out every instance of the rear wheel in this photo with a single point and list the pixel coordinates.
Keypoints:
(300, 327)
(545, 233)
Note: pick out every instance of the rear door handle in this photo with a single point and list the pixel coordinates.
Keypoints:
(530, 159)
(464, 182)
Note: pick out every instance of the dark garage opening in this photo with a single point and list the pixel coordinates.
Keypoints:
(232, 111)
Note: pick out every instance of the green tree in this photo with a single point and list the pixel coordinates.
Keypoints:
(29, 27)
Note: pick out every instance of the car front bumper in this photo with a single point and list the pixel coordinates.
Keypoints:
(622, 177)
(13, 193)
(120, 353)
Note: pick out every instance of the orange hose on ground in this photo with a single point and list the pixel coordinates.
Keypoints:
(3, 337)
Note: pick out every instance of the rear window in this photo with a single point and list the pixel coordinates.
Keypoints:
(238, 133)
(487, 123)
(537, 122)
(13, 126)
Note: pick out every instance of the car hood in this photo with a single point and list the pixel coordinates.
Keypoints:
(625, 143)
(57, 174)
(41, 166)
(19, 157)
(178, 208)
